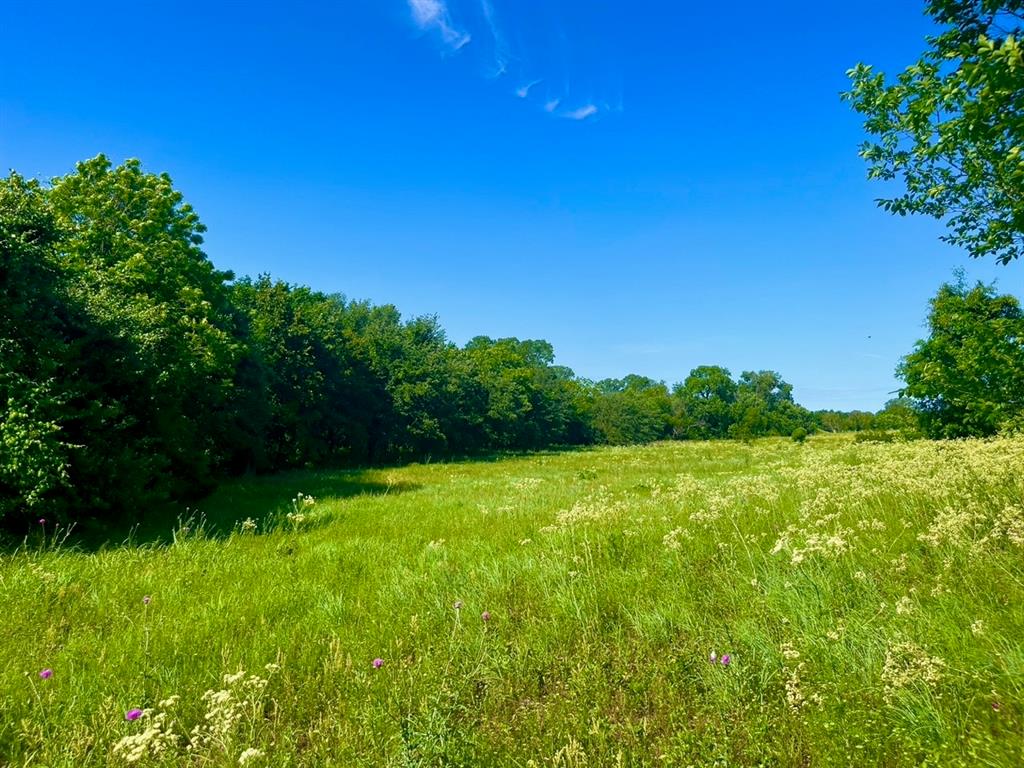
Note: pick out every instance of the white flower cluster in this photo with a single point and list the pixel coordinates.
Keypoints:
(155, 740)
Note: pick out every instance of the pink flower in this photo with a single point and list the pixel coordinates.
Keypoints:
(46, 674)
(726, 658)
(378, 663)
(133, 714)
(42, 521)
(486, 615)
(713, 657)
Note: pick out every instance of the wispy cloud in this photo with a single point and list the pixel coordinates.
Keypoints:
(433, 14)
(577, 85)
(502, 54)
(524, 90)
(582, 113)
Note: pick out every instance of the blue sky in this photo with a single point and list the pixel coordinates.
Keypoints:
(650, 186)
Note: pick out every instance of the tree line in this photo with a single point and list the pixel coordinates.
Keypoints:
(132, 370)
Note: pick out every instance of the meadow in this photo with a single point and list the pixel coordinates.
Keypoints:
(689, 603)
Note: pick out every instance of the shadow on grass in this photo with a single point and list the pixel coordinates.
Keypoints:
(266, 499)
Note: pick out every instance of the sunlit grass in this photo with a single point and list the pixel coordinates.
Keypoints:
(869, 598)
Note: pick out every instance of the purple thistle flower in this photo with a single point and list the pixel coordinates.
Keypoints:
(146, 600)
(378, 663)
(486, 615)
(46, 674)
(726, 658)
(42, 521)
(133, 714)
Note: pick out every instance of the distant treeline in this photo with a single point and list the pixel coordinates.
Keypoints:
(132, 370)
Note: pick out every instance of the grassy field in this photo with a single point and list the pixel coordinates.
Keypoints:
(551, 610)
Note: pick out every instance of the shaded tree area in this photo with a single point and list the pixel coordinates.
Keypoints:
(133, 371)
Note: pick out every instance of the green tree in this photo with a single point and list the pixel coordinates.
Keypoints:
(34, 455)
(433, 403)
(632, 410)
(952, 127)
(843, 421)
(967, 377)
(318, 393)
(530, 402)
(162, 344)
(900, 413)
(705, 400)
(764, 406)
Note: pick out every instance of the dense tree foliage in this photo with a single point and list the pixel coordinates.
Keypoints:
(967, 377)
(132, 370)
(35, 453)
(951, 126)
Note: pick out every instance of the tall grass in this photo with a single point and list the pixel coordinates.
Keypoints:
(870, 599)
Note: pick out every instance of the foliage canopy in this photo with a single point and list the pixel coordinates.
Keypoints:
(951, 127)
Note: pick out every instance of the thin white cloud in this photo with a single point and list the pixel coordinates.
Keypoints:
(501, 50)
(552, 105)
(582, 113)
(433, 14)
(524, 90)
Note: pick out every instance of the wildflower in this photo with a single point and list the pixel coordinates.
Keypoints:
(486, 615)
(904, 606)
(46, 674)
(978, 628)
(378, 663)
(146, 600)
(42, 521)
(713, 657)
(133, 714)
(726, 658)
(249, 755)
(458, 605)
(995, 706)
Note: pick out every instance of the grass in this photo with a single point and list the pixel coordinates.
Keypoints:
(870, 598)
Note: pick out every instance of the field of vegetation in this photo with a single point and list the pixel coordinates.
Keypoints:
(771, 603)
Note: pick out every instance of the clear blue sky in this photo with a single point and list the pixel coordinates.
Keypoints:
(650, 186)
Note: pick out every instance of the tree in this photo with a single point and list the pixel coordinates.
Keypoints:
(899, 413)
(33, 452)
(705, 400)
(159, 343)
(952, 127)
(764, 406)
(318, 395)
(632, 410)
(530, 402)
(967, 378)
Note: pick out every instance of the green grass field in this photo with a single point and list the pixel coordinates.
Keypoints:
(870, 599)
